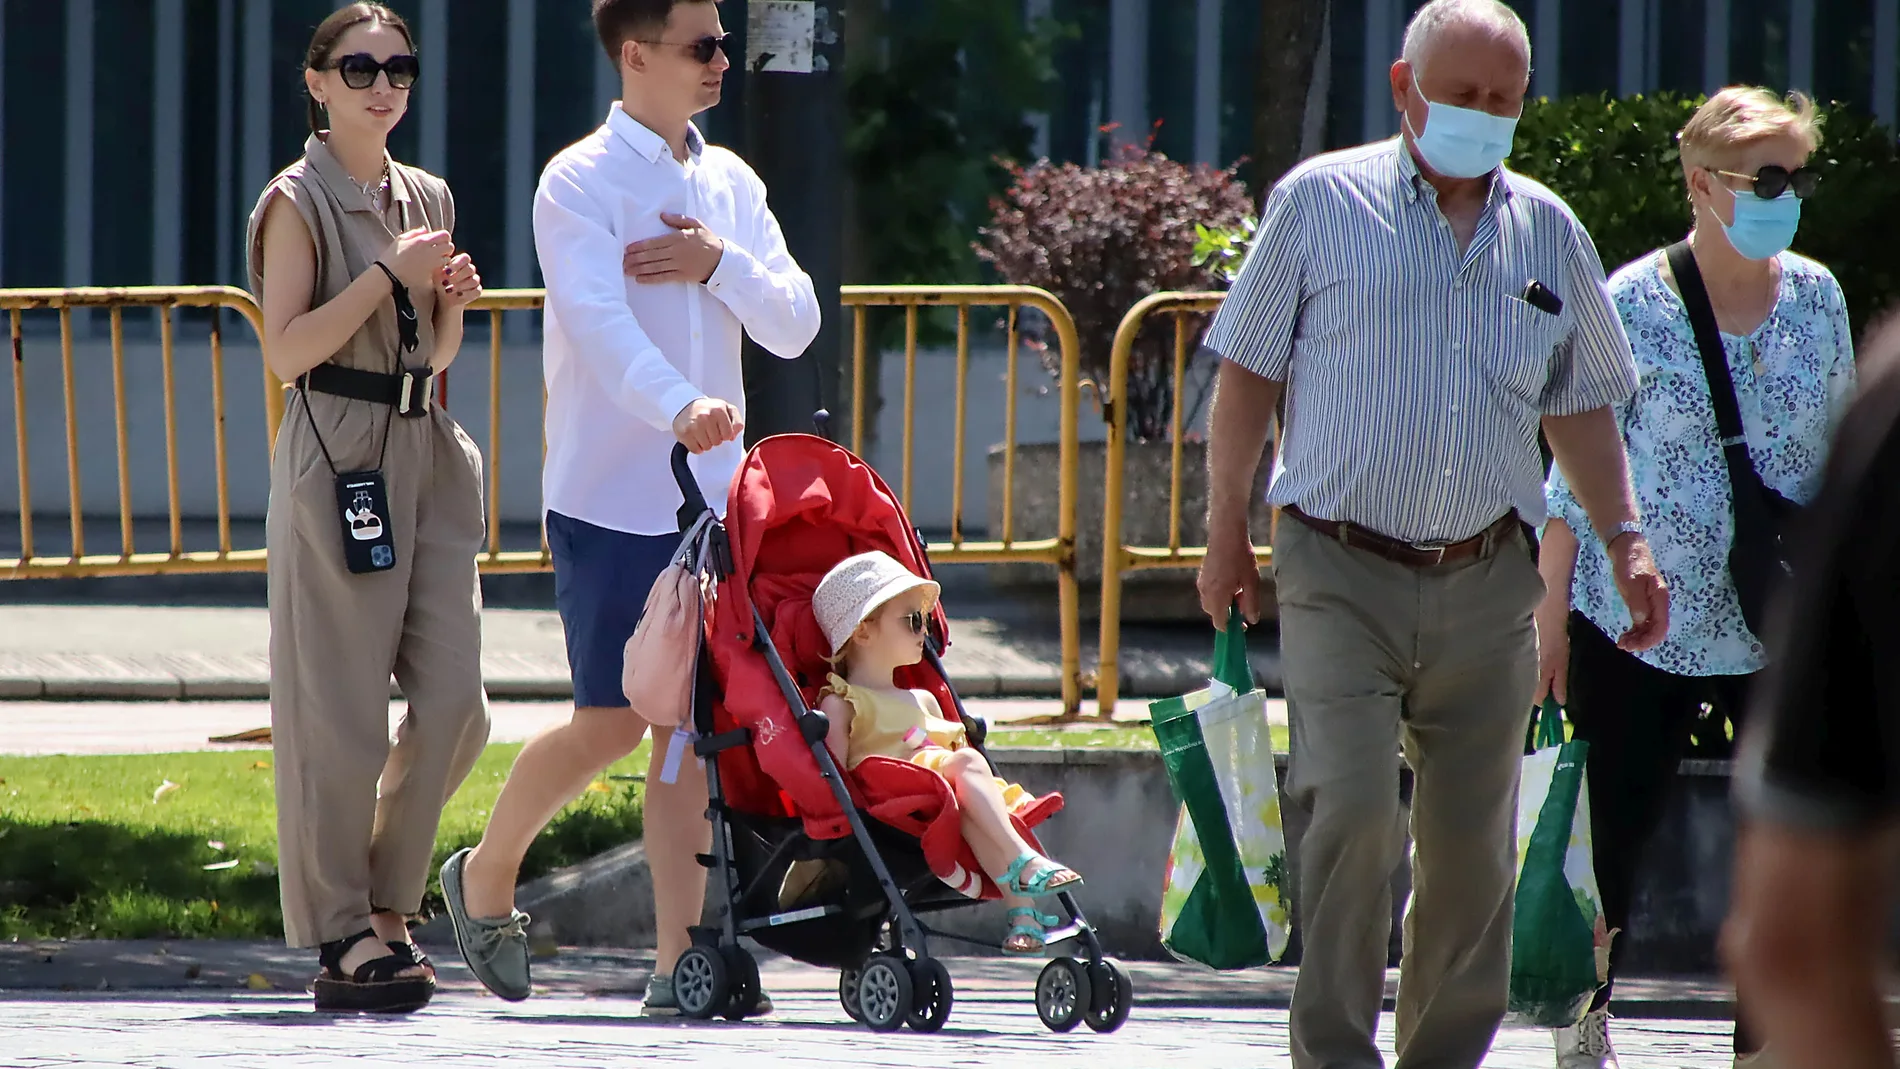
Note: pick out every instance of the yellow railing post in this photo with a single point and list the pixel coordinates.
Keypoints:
(1003, 547)
(1118, 557)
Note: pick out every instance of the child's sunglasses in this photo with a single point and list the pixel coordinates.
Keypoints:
(359, 70)
(1773, 180)
(914, 621)
(702, 50)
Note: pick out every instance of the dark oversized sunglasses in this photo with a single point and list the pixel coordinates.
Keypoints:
(359, 70)
(1774, 180)
(702, 50)
(914, 621)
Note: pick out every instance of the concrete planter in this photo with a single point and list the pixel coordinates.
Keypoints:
(1116, 831)
(1157, 596)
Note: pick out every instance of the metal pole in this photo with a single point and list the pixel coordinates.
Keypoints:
(168, 142)
(80, 76)
(1128, 72)
(1632, 24)
(1801, 45)
(434, 146)
(1715, 31)
(1383, 30)
(227, 137)
(1887, 61)
(794, 139)
(1547, 53)
(1207, 72)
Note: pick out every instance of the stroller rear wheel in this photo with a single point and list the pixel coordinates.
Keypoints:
(885, 992)
(701, 983)
(848, 992)
(931, 995)
(1063, 994)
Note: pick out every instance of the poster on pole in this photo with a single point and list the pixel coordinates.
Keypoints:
(779, 35)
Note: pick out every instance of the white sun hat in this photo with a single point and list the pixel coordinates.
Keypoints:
(852, 591)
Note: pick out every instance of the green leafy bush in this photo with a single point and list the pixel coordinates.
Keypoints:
(1615, 161)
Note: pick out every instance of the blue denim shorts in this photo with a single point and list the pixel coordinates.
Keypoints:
(601, 581)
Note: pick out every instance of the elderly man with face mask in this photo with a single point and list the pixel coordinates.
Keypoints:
(1425, 311)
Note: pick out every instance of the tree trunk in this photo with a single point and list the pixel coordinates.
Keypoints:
(1290, 32)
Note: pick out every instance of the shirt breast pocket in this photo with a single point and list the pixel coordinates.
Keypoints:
(1517, 360)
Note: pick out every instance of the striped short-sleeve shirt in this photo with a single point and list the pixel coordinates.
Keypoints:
(1416, 374)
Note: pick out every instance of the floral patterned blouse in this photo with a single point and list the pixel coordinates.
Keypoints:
(1794, 377)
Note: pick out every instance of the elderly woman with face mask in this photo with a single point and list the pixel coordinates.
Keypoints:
(1788, 356)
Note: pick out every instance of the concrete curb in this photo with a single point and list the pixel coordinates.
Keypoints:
(203, 677)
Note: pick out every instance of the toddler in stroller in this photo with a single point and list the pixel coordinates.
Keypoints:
(827, 848)
(873, 611)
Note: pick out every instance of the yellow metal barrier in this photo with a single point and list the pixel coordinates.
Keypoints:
(1119, 558)
(29, 565)
(1005, 547)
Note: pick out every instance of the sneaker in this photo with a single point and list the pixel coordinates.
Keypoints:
(1586, 1044)
(661, 1002)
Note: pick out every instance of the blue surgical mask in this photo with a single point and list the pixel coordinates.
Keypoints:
(1763, 229)
(1463, 143)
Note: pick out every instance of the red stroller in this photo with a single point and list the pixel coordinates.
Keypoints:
(889, 831)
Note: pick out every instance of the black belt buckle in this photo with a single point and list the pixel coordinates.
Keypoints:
(415, 389)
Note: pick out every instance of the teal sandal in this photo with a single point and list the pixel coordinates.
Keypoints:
(1052, 879)
(1030, 924)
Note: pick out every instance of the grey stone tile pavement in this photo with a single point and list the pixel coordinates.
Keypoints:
(150, 1004)
(464, 1030)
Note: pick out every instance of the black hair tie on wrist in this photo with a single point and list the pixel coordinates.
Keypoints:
(406, 331)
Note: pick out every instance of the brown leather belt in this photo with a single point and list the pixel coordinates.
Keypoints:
(1482, 544)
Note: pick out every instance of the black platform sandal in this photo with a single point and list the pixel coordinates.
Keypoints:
(375, 987)
(414, 955)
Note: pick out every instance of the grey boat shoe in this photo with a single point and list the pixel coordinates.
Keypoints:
(660, 1001)
(496, 949)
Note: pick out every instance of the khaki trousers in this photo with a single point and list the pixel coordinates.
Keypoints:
(356, 815)
(1440, 663)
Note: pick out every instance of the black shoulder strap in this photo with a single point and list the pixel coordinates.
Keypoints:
(1743, 479)
(1708, 338)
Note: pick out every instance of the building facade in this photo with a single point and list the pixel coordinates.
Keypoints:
(134, 134)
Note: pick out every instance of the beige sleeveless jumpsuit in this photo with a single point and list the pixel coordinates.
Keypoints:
(356, 816)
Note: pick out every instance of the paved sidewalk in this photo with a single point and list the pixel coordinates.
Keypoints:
(117, 652)
(808, 1033)
(197, 1001)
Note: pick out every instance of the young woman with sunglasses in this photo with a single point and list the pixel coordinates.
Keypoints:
(1790, 363)
(375, 519)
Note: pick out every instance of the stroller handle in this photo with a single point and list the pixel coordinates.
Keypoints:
(695, 500)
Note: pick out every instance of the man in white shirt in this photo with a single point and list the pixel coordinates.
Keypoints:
(659, 254)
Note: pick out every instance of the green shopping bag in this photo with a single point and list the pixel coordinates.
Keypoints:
(1224, 903)
(1560, 948)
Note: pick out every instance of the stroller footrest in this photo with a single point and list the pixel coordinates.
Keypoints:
(708, 745)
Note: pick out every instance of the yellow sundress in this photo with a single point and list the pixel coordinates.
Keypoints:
(888, 726)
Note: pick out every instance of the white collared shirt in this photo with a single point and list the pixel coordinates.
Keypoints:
(622, 358)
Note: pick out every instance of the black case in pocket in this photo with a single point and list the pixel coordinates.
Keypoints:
(362, 504)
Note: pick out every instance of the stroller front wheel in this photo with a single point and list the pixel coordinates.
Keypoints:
(885, 992)
(1063, 994)
(1113, 995)
(700, 983)
(931, 995)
